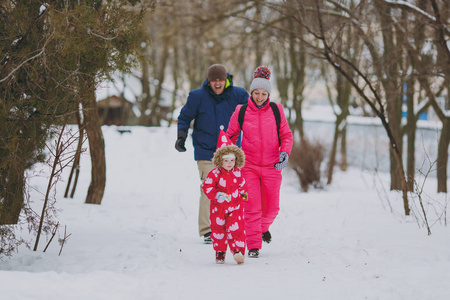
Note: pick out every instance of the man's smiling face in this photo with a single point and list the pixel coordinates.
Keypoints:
(218, 86)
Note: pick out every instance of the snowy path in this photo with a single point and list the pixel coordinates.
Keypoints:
(142, 242)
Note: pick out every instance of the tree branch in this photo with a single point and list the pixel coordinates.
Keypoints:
(28, 59)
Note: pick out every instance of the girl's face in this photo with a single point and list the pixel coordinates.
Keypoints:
(228, 163)
(260, 96)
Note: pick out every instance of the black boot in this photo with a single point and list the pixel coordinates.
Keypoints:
(207, 238)
(253, 253)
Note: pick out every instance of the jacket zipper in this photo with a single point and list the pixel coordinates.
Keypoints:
(260, 137)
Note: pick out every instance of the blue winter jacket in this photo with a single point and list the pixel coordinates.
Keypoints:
(209, 111)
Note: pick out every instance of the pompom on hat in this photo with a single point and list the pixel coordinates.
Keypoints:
(224, 148)
(261, 77)
(217, 71)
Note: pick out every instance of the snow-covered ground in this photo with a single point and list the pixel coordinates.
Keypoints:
(350, 240)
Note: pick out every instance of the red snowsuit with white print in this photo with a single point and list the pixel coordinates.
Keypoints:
(261, 147)
(226, 218)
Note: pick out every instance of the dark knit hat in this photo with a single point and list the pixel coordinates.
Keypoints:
(217, 71)
(261, 78)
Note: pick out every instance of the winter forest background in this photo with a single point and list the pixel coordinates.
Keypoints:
(91, 86)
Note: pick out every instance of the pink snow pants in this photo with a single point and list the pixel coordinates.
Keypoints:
(227, 227)
(263, 205)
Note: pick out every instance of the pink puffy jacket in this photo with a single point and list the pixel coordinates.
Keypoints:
(260, 137)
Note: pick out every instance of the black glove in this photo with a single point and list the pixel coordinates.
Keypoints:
(179, 144)
(283, 161)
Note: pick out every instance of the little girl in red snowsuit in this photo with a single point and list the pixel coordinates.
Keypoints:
(226, 188)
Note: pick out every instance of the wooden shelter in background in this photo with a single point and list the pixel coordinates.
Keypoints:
(115, 110)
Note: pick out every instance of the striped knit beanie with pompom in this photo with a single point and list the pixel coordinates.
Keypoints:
(261, 78)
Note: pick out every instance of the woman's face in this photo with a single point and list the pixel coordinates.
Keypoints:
(260, 96)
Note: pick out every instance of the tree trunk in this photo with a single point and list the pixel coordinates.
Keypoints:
(154, 119)
(411, 127)
(96, 147)
(146, 96)
(396, 178)
(410, 163)
(394, 117)
(391, 88)
(332, 159)
(344, 163)
(343, 89)
(175, 77)
(298, 65)
(442, 158)
(12, 194)
(343, 100)
(443, 58)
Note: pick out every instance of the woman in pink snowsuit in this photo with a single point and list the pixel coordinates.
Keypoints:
(226, 188)
(267, 152)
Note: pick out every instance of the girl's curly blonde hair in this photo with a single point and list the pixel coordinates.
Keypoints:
(233, 149)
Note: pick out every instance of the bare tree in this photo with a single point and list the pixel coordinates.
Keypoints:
(431, 67)
(348, 45)
(61, 157)
(367, 87)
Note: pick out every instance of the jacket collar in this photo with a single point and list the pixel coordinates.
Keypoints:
(223, 171)
(253, 105)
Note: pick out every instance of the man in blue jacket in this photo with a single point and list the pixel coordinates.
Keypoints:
(209, 106)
